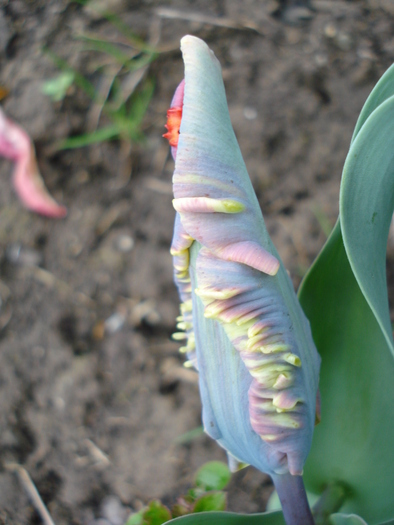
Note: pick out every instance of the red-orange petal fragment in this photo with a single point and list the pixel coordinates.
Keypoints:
(15, 144)
(174, 117)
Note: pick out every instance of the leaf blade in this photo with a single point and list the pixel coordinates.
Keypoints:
(366, 206)
(356, 388)
(230, 518)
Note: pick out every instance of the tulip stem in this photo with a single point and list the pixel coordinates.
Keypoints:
(292, 495)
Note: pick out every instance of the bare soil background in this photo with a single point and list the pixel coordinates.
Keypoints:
(93, 395)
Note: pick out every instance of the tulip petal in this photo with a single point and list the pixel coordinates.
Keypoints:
(16, 145)
(210, 180)
(174, 116)
(224, 383)
(278, 392)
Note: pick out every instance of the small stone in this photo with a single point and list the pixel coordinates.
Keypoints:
(321, 60)
(124, 243)
(114, 323)
(113, 510)
(330, 31)
(82, 176)
(23, 256)
(344, 41)
(76, 249)
(250, 113)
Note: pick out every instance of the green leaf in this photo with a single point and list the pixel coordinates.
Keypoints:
(98, 44)
(211, 501)
(156, 514)
(383, 90)
(353, 338)
(56, 88)
(189, 436)
(214, 475)
(134, 40)
(230, 518)
(136, 519)
(79, 79)
(346, 519)
(108, 133)
(354, 439)
(366, 207)
(139, 103)
(344, 296)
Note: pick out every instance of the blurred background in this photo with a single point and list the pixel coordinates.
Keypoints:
(94, 401)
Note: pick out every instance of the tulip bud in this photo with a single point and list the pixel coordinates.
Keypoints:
(243, 327)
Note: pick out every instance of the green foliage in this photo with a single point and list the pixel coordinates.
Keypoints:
(230, 518)
(122, 72)
(213, 475)
(190, 435)
(346, 519)
(206, 495)
(215, 500)
(126, 123)
(344, 296)
(57, 88)
(154, 514)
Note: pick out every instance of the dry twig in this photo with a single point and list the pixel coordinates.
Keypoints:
(31, 490)
(166, 12)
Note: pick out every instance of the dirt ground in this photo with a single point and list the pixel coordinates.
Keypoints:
(93, 395)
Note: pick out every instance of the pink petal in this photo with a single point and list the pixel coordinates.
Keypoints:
(252, 254)
(15, 144)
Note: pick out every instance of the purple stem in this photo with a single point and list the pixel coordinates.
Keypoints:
(292, 495)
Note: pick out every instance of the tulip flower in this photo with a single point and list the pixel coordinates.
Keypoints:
(16, 145)
(243, 327)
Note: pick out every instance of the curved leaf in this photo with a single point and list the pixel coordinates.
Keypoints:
(214, 475)
(346, 519)
(366, 207)
(383, 90)
(230, 518)
(211, 501)
(355, 437)
(344, 295)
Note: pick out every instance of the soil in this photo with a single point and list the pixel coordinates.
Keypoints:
(93, 394)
